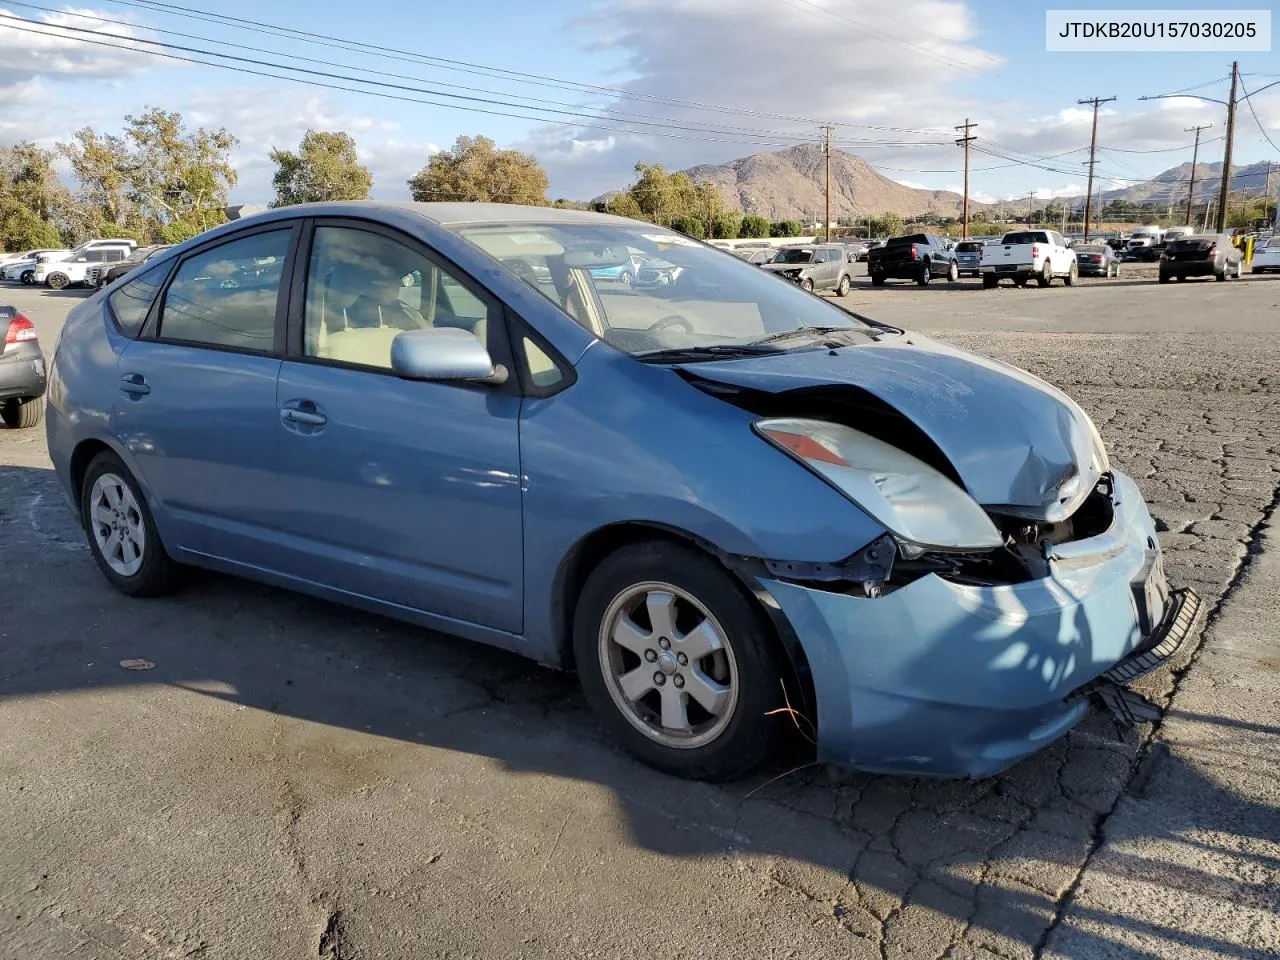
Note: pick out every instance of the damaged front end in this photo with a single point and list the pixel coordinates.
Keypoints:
(973, 631)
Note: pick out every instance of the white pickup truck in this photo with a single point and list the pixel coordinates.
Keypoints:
(1024, 254)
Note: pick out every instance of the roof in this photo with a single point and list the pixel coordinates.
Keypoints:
(448, 214)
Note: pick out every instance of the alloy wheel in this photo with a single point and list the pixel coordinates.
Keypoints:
(116, 522)
(668, 665)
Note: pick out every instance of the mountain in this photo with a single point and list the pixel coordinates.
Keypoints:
(791, 184)
(1170, 187)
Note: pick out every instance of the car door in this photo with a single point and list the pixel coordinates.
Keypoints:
(406, 492)
(196, 403)
(831, 269)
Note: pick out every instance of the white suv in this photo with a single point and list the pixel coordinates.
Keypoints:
(69, 271)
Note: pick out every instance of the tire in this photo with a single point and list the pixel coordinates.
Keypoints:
(1021, 281)
(877, 279)
(1239, 269)
(27, 277)
(925, 276)
(21, 414)
(1256, 270)
(1164, 278)
(953, 273)
(990, 281)
(806, 285)
(152, 573)
(842, 288)
(1045, 276)
(1072, 275)
(1221, 275)
(744, 672)
(625, 278)
(56, 281)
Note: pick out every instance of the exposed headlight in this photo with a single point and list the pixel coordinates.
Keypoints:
(917, 504)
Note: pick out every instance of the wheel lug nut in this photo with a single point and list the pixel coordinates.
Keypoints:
(650, 656)
(678, 680)
(682, 659)
(659, 679)
(664, 643)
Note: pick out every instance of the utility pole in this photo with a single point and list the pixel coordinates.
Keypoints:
(1266, 196)
(826, 153)
(1093, 149)
(1195, 152)
(1031, 199)
(964, 141)
(1226, 154)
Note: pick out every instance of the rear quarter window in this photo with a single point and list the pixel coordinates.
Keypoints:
(130, 303)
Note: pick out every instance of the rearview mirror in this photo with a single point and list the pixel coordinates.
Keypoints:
(598, 259)
(443, 353)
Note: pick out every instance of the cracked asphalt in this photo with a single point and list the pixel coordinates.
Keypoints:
(293, 779)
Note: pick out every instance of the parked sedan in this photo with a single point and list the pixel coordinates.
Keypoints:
(1266, 257)
(708, 506)
(1097, 260)
(24, 269)
(22, 370)
(1210, 254)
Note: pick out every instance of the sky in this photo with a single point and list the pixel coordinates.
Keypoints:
(590, 88)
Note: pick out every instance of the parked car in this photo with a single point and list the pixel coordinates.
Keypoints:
(1145, 237)
(70, 271)
(1209, 254)
(657, 274)
(22, 370)
(969, 256)
(917, 256)
(756, 255)
(1096, 260)
(815, 267)
(558, 474)
(1025, 254)
(101, 274)
(11, 259)
(1266, 257)
(24, 270)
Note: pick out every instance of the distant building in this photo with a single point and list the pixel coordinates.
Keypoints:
(242, 210)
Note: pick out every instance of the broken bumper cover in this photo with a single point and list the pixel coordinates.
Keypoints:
(948, 679)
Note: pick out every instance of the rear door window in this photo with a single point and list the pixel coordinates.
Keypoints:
(129, 304)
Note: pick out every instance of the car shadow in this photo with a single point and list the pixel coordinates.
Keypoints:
(894, 851)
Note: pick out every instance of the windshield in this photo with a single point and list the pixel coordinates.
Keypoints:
(1025, 236)
(688, 295)
(794, 256)
(1091, 248)
(969, 246)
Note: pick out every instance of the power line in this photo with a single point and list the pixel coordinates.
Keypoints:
(392, 53)
(1261, 129)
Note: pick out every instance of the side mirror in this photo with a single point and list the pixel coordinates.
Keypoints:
(443, 353)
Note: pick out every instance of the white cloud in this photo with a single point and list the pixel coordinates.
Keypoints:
(39, 48)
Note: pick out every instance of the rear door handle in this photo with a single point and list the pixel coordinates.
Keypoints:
(134, 384)
(303, 416)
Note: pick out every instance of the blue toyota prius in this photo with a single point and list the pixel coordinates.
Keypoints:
(714, 498)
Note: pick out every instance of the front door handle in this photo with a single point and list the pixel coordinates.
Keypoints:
(303, 416)
(134, 384)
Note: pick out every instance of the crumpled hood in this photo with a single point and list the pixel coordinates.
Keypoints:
(781, 267)
(1016, 442)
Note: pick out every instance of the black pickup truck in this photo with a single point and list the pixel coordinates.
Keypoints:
(918, 256)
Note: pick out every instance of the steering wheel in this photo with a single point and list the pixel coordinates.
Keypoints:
(673, 322)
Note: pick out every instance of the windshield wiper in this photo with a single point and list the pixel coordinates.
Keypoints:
(715, 351)
(805, 332)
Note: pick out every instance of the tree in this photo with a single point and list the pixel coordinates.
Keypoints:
(175, 175)
(689, 225)
(623, 205)
(475, 169)
(28, 177)
(22, 229)
(324, 168)
(754, 226)
(786, 228)
(726, 226)
(100, 164)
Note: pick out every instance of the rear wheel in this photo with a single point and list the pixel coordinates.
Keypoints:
(677, 662)
(989, 281)
(1046, 275)
(1221, 275)
(877, 279)
(56, 281)
(20, 414)
(122, 535)
(842, 288)
(925, 276)
(1164, 278)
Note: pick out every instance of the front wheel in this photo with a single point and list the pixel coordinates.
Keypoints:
(676, 662)
(122, 535)
(842, 288)
(56, 281)
(21, 414)
(1071, 276)
(1239, 269)
(925, 276)
(1046, 275)
(28, 277)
